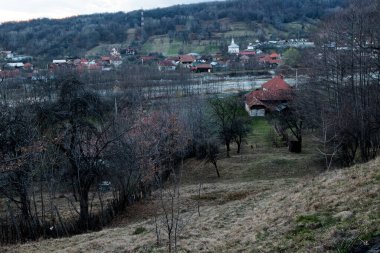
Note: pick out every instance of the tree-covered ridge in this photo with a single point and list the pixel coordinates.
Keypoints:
(76, 35)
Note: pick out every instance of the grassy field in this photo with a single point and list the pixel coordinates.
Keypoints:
(259, 160)
(162, 44)
(267, 200)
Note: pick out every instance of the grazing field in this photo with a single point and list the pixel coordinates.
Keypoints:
(267, 200)
(162, 44)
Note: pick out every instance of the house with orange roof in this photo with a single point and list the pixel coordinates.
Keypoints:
(271, 60)
(167, 65)
(273, 95)
(186, 60)
(200, 68)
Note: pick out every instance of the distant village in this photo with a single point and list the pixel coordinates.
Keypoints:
(233, 58)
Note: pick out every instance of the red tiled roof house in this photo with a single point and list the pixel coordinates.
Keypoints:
(273, 95)
(205, 67)
(187, 60)
(167, 65)
(270, 60)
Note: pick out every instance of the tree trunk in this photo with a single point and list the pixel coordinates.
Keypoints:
(238, 143)
(216, 168)
(295, 146)
(228, 148)
(24, 206)
(84, 215)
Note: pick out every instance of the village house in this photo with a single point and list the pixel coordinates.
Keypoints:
(14, 65)
(244, 59)
(187, 60)
(21, 58)
(250, 47)
(270, 60)
(9, 73)
(114, 53)
(246, 56)
(28, 66)
(94, 65)
(6, 54)
(130, 51)
(106, 60)
(148, 59)
(233, 48)
(273, 96)
(218, 65)
(116, 61)
(167, 65)
(247, 53)
(201, 68)
(217, 57)
(58, 62)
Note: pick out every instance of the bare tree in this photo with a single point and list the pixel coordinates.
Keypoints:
(76, 126)
(345, 74)
(228, 120)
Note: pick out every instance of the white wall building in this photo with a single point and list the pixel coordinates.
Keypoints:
(250, 47)
(233, 48)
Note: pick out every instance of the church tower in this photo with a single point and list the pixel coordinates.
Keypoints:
(233, 48)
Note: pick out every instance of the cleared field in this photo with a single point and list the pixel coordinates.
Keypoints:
(259, 160)
(102, 50)
(162, 44)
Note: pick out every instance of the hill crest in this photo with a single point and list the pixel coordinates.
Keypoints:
(182, 24)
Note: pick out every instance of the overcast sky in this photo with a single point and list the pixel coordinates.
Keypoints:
(13, 10)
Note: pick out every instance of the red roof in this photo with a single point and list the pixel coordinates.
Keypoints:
(276, 84)
(166, 63)
(187, 58)
(148, 58)
(106, 58)
(28, 65)
(172, 58)
(274, 55)
(247, 53)
(272, 58)
(204, 66)
(275, 89)
(94, 67)
(252, 100)
(9, 73)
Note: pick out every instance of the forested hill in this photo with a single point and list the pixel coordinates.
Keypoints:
(212, 21)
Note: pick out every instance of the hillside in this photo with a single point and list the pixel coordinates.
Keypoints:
(257, 206)
(204, 27)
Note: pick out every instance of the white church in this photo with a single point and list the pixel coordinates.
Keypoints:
(233, 48)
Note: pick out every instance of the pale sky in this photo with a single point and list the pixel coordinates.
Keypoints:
(13, 10)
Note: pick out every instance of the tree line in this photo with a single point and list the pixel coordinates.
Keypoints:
(73, 37)
(340, 101)
(71, 162)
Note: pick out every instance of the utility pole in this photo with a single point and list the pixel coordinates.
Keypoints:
(116, 111)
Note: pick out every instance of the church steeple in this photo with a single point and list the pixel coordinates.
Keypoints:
(233, 48)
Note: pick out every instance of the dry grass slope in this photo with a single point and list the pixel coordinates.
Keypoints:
(325, 213)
